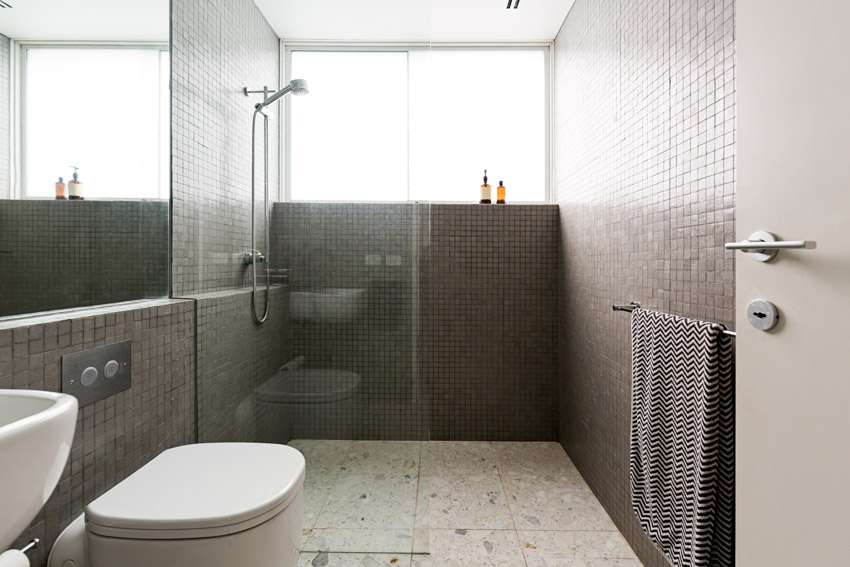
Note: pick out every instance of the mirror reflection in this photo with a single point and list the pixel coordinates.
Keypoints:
(84, 153)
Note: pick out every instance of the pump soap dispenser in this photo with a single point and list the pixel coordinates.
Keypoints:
(75, 187)
(485, 191)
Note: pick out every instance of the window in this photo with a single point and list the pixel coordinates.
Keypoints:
(417, 124)
(104, 110)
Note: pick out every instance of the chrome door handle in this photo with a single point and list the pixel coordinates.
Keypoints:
(764, 246)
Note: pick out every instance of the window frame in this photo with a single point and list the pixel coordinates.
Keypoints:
(19, 98)
(288, 46)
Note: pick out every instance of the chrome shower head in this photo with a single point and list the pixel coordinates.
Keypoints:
(297, 87)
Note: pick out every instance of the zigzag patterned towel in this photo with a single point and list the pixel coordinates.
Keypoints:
(683, 438)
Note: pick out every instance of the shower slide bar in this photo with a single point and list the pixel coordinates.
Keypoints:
(635, 305)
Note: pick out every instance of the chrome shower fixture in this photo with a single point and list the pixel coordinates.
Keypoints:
(298, 87)
(253, 256)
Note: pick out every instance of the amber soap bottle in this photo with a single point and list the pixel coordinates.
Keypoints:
(500, 193)
(486, 191)
(60, 190)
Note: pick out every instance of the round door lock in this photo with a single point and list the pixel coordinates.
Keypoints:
(111, 369)
(762, 314)
(89, 376)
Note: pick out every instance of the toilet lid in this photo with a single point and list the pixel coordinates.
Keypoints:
(200, 490)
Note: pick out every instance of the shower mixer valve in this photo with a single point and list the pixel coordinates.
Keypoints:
(250, 256)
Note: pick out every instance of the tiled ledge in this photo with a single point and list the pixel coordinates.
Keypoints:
(84, 312)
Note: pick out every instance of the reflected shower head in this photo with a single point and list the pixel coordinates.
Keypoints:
(298, 87)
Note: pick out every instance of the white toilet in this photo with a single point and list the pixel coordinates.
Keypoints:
(211, 505)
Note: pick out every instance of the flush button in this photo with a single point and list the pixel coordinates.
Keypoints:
(89, 376)
(111, 369)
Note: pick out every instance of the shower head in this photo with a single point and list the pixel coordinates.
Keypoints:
(298, 87)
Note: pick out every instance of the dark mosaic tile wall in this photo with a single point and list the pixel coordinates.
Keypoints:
(62, 254)
(235, 357)
(218, 47)
(493, 288)
(5, 157)
(645, 181)
(115, 436)
(473, 319)
(358, 275)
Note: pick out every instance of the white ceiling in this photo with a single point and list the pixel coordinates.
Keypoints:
(86, 20)
(416, 20)
(339, 20)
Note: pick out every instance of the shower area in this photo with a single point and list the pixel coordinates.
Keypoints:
(348, 320)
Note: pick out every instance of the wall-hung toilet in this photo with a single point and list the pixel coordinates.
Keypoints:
(211, 505)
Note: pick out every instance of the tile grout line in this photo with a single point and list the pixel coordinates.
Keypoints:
(416, 505)
(333, 485)
(507, 502)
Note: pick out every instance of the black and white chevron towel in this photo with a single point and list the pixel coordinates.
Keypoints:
(683, 438)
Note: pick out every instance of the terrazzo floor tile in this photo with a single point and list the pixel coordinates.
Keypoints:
(421, 540)
(576, 549)
(322, 457)
(324, 559)
(389, 458)
(423, 501)
(468, 502)
(375, 501)
(554, 503)
(359, 540)
(461, 457)
(533, 459)
(472, 548)
(317, 490)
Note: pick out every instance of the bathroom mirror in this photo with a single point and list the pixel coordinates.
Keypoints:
(84, 87)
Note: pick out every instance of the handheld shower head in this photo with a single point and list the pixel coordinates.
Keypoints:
(298, 87)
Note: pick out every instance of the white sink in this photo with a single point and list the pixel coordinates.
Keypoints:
(333, 304)
(36, 431)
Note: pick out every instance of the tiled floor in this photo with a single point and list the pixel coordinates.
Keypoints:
(470, 504)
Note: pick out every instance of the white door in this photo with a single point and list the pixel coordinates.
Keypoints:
(793, 383)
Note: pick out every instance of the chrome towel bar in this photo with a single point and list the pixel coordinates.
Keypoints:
(635, 305)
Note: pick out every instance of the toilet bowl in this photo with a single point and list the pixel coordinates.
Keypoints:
(320, 403)
(211, 505)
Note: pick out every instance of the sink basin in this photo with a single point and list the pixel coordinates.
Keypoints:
(333, 304)
(36, 431)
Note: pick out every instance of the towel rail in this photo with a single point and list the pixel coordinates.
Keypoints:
(635, 305)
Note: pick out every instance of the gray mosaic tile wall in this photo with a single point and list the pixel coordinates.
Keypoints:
(5, 157)
(62, 254)
(358, 275)
(115, 436)
(494, 303)
(218, 47)
(235, 358)
(645, 180)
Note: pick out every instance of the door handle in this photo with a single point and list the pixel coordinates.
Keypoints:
(763, 246)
